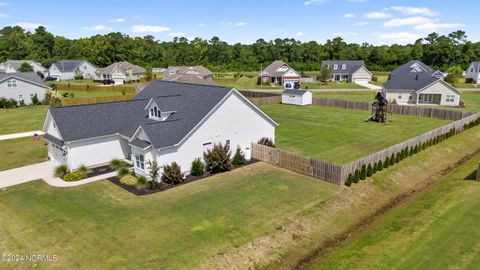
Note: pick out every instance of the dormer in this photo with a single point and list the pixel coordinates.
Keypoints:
(416, 68)
(335, 66)
(344, 66)
(155, 113)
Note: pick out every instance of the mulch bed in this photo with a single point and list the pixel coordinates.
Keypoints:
(162, 186)
(99, 171)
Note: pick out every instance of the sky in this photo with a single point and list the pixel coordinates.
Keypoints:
(373, 21)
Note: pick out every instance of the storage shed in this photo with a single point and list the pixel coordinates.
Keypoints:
(297, 97)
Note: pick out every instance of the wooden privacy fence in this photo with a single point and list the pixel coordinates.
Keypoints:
(258, 94)
(337, 174)
(93, 100)
(266, 100)
(95, 88)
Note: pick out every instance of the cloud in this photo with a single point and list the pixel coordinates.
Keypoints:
(347, 34)
(360, 24)
(400, 37)
(349, 15)
(28, 26)
(432, 26)
(98, 27)
(177, 34)
(414, 10)
(299, 34)
(407, 21)
(241, 24)
(314, 2)
(118, 20)
(377, 15)
(141, 28)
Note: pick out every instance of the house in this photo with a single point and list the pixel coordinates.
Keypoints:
(200, 71)
(69, 69)
(13, 66)
(166, 122)
(473, 72)
(120, 72)
(189, 78)
(297, 97)
(280, 73)
(351, 71)
(158, 70)
(22, 86)
(418, 84)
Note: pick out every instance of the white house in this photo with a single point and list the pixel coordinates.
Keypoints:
(166, 122)
(13, 66)
(22, 87)
(353, 71)
(68, 69)
(473, 72)
(280, 73)
(297, 97)
(415, 83)
(121, 72)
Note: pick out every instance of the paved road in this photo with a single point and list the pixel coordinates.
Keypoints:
(20, 135)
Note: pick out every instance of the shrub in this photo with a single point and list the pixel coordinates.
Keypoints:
(83, 169)
(116, 164)
(78, 77)
(392, 160)
(153, 170)
(8, 103)
(129, 180)
(349, 180)
(469, 80)
(397, 157)
(239, 157)
(266, 141)
(217, 158)
(197, 168)
(410, 153)
(356, 176)
(380, 166)
(35, 100)
(375, 168)
(142, 180)
(363, 172)
(369, 170)
(60, 171)
(386, 163)
(74, 176)
(172, 174)
(123, 171)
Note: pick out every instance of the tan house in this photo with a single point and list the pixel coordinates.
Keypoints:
(198, 71)
(120, 72)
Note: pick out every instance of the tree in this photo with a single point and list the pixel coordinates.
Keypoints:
(172, 174)
(217, 158)
(239, 157)
(349, 180)
(369, 170)
(325, 73)
(363, 172)
(153, 172)
(25, 67)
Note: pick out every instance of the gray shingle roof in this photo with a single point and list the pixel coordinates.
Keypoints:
(271, 70)
(140, 143)
(16, 64)
(53, 139)
(188, 78)
(191, 103)
(404, 78)
(295, 92)
(201, 70)
(350, 66)
(31, 77)
(123, 66)
(68, 65)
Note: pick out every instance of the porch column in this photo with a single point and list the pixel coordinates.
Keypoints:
(416, 100)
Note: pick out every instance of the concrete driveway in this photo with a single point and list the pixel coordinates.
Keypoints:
(20, 135)
(369, 85)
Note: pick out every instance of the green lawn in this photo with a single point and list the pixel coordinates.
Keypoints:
(246, 83)
(340, 135)
(357, 95)
(102, 226)
(20, 152)
(91, 94)
(22, 119)
(319, 85)
(89, 82)
(439, 230)
(465, 85)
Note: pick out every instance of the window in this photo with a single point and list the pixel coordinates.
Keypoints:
(151, 112)
(12, 83)
(139, 162)
(208, 143)
(227, 143)
(20, 97)
(335, 66)
(410, 97)
(471, 70)
(85, 67)
(450, 98)
(344, 66)
(399, 96)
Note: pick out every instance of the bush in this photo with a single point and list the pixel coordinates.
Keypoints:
(116, 164)
(266, 141)
(142, 180)
(386, 163)
(60, 171)
(363, 172)
(129, 180)
(197, 168)
(369, 170)
(380, 166)
(74, 176)
(349, 180)
(35, 100)
(239, 157)
(78, 77)
(217, 158)
(172, 174)
(356, 176)
(123, 171)
(83, 169)
(397, 157)
(392, 160)
(469, 80)
(8, 103)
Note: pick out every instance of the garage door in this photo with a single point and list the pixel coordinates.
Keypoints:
(118, 80)
(362, 79)
(289, 84)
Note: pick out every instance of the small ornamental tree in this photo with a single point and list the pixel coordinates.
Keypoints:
(153, 172)
(35, 100)
(369, 170)
(197, 168)
(349, 180)
(380, 166)
(363, 172)
(217, 158)
(266, 141)
(397, 157)
(386, 163)
(392, 160)
(356, 176)
(410, 153)
(172, 174)
(374, 168)
(239, 157)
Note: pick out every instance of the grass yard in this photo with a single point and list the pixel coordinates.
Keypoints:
(22, 119)
(438, 230)
(245, 83)
(319, 85)
(90, 94)
(89, 82)
(20, 152)
(340, 135)
(357, 95)
(465, 85)
(102, 226)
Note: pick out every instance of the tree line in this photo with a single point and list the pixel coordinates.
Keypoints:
(438, 51)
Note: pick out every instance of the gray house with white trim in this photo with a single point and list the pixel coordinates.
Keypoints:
(22, 86)
(68, 69)
(348, 70)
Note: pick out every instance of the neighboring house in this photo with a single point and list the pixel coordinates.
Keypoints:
(297, 97)
(22, 86)
(417, 84)
(166, 122)
(158, 70)
(200, 71)
(68, 69)
(187, 78)
(13, 66)
(348, 70)
(120, 72)
(473, 72)
(280, 73)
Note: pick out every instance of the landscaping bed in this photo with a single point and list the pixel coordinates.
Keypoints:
(163, 186)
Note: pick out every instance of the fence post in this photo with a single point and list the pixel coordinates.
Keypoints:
(478, 172)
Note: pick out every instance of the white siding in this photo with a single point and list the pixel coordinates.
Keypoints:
(97, 151)
(441, 88)
(23, 90)
(56, 155)
(470, 73)
(402, 97)
(361, 74)
(297, 99)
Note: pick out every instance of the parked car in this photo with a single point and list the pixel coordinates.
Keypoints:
(108, 81)
(49, 79)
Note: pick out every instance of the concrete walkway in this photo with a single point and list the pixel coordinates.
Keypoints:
(369, 85)
(43, 171)
(20, 135)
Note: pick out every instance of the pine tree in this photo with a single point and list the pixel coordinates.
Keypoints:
(369, 170)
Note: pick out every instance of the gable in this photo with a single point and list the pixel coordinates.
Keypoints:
(439, 87)
(50, 127)
(291, 73)
(362, 71)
